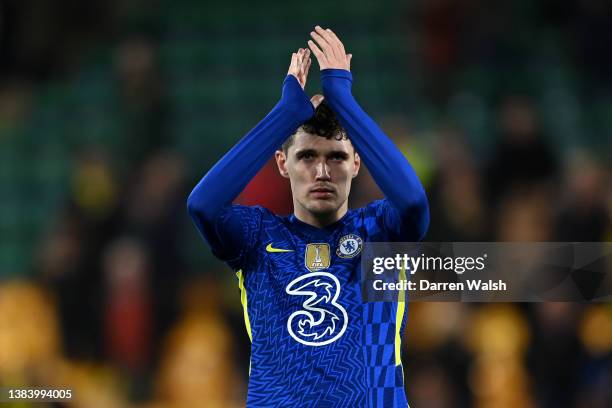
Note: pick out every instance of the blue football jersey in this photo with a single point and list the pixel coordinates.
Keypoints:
(314, 342)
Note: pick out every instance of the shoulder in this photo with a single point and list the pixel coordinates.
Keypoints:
(254, 223)
(256, 217)
(247, 213)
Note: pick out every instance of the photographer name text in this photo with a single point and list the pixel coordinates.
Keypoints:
(425, 285)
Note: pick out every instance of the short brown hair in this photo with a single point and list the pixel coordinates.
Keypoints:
(323, 123)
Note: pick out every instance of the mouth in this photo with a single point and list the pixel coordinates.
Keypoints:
(322, 192)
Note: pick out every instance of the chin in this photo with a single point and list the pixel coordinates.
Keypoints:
(323, 207)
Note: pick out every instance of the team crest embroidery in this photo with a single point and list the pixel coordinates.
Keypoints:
(349, 246)
(317, 256)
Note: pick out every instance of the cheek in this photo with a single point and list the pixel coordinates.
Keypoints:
(344, 174)
(299, 176)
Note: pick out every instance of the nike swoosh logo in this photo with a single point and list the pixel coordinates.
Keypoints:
(270, 249)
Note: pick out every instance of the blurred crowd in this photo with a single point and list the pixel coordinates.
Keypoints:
(122, 301)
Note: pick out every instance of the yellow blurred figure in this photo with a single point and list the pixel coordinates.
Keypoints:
(499, 337)
(596, 330)
(196, 367)
(29, 336)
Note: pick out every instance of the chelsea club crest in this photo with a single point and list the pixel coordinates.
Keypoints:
(349, 246)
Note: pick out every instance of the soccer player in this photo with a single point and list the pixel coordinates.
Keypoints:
(314, 342)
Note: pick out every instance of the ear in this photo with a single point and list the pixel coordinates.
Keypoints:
(281, 162)
(357, 162)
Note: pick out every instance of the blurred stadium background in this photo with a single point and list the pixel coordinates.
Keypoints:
(110, 111)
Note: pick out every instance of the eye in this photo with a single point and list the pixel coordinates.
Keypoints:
(338, 157)
(306, 156)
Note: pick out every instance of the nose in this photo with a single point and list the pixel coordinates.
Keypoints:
(323, 171)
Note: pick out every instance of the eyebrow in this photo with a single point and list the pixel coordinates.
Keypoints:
(301, 153)
(340, 153)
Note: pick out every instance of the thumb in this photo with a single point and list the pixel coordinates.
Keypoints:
(350, 57)
(293, 64)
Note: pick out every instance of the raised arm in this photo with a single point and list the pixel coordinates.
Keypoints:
(209, 204)
(390, 169)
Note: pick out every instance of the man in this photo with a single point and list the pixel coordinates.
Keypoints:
(314, 343)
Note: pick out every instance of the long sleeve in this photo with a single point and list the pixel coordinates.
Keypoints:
(209, 204)
(392, 172)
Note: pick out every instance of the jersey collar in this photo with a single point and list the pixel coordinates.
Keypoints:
(316, 231)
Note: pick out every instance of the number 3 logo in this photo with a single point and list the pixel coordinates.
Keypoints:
(322, 320)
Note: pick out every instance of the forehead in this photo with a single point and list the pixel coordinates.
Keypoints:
(308, 141)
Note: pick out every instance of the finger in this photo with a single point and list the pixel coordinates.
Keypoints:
(322, 43)
(336, 40)
(350, 57)
(320, 56)
(301, 66)
(306, 69)
(324, 33)
(293, 64)
(305, 62)
(304, 74)
(330, 33)
(333, 41)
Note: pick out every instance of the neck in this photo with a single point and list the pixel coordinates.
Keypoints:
(319, 220)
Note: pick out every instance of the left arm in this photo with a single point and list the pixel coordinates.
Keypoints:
(390, 169)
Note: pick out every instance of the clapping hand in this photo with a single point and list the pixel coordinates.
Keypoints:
(300, 65)
(329, 50)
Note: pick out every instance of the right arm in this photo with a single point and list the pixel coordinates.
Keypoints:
(209, 204)
(406, 218)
